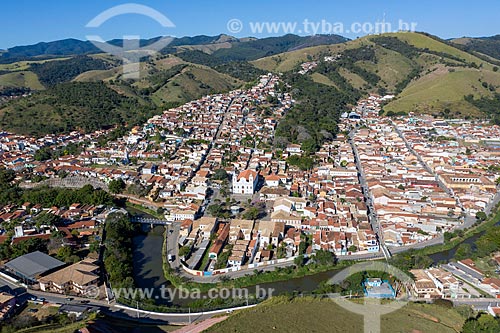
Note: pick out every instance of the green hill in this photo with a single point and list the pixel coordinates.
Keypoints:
(427, 74)
(485, 45)
(72, 106)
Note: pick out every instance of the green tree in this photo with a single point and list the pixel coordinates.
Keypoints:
(325, 258)
(299, 261)
(116, 186)
(481, 216)
(184, 251)
(251, 213)
(220, 174)
(482, 323)
(464, 251)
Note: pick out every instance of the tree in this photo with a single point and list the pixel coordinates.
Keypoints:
(220, 174)
(464, 251)
(325, 258)
(64, 253)
(481, 216)
(482, 323)
(184, 251)
(116, 186)
(281, 251)
(46, 218)
(352, 248)
(299, 261)
(251, 213)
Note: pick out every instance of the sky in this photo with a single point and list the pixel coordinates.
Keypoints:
(31, 21)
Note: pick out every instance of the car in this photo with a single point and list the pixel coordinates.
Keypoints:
(85, 301)
(229, 311)
(171, 231)
(69, 298)
(33, 310)
(171, 257)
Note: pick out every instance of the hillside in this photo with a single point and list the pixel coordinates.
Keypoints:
(427, 74)
(485, 45)
(301, 314)
(72, 106)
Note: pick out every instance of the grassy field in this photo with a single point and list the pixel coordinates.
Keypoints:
(26, 79)
(354, 79)
(194, 82)
(441, 88)
(422, 41)
(391, 66)
(313, 315)
(320, 78)
(23, 65)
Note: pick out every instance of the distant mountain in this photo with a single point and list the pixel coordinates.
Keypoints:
(486, 45)
(254, 48)
(258, 48)
(426, 73)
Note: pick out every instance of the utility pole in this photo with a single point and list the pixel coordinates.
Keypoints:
(137, 307)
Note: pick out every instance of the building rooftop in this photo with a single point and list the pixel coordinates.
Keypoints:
(33, 264)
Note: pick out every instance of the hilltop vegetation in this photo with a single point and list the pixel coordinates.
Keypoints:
(51, 73)
(314, 119)
(486, 45)
(428, 74)
(87, 106)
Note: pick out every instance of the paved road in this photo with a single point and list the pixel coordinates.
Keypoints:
(463, 276)
(201, 326)
(116, 310)
(372, 215)
(477, 303)
(425, 165)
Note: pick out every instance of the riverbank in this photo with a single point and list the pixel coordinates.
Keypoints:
(492, 220)
(130, 207)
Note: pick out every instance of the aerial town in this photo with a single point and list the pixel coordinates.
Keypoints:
(209, 168)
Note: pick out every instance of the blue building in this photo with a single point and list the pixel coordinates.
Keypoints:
(378, 288)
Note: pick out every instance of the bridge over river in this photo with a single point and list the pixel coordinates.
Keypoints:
(149, 220)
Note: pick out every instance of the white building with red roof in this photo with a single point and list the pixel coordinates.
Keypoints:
(245, 182)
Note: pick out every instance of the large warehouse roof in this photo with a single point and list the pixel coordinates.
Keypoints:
(32, 264)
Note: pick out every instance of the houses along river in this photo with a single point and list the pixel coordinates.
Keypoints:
(148, 261)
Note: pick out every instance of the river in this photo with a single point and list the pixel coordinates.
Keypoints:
(148, 271)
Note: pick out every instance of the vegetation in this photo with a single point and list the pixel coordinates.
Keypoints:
(118, 260)
(486, 45)
(314, 118)
(264, 47)
(9, 252)
(116, 186)
(302, 162)
(326, 316)
(64, 197)
(238, 69)
(489, 106)
(86, 106)
(51, 73)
